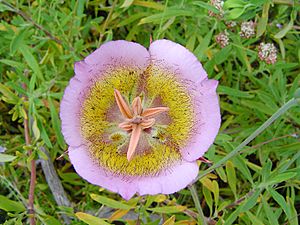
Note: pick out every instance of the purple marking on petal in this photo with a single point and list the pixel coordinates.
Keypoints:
(120, 52)
(112, 54)
(175, 56)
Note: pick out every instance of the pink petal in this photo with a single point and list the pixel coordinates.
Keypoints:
(172, 180)
(70, 111)
(170, 54)
(120, 52)
(209, 120)
(110, 55)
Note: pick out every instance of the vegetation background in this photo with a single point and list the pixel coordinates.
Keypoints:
(41, 40)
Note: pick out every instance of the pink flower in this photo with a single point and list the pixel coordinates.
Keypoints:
(222, 39)
(247, 29)
(136, 120)
(267, 52)
(230, 24)
(218, 4)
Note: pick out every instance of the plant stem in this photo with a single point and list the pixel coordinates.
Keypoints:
(106, 22)
(193, 191)
(54, 184)
(238, 149)
(32, 176)
(28, 18)
(38, 26)
(161, 20)
(285, 2)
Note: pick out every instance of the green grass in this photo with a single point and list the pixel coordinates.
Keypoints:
(41, 40)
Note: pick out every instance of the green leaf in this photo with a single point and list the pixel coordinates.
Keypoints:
(6, 157)
(35, 129)
(17, 41)
(222, 55)
(170, 221)
(231, 176)
(218, 58)
(216, 192)
(156, 18)
(207, 6)
(208, 198)
(250, 202)
(190, 44)
(149, 4)
(254, 219)
(42, 155)
(221, 173)
(241, 53)
(31, 61)
(32, 81)
(203, 46)
(232, 217)
(110, 202)
(10, 206)
(168, 209)
(233, 92)
(280, 200)
(56, 124)
(235, 13)
(71, 178)
(240, 164)
(293, 220)
(207, 183)
(233, 4)
(127, 3)
(10, 96)
(149, 200)
(79, 12)
(261, 107)
(266, 170)
(49, 220)
(131, 19)
(263, 21)
(44, 134)
(17, 65)
(270, 214)
(4, 8)
(284, 30)
(295, 90)
(89, 219)
(278, 178)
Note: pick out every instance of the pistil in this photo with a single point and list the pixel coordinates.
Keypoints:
(136, 119)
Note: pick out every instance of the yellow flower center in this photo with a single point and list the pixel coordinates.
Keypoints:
(108, 132)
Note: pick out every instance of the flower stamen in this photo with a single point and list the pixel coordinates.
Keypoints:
(123, 107)
(148, 123)
(154, 111)
(137, 107)
(134, 139)
(136, 120)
